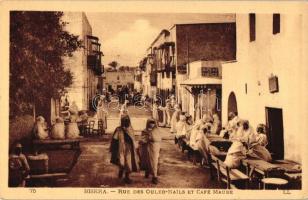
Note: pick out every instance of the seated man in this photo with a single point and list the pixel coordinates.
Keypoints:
(216, 125)
(244, 133)
(40, 130)
(198, 141)
(257, 143)
(261, 135)
(196, 128)
(233, 120)
(58, 129)
(231, 126)
(73, 109)
(18, 167)
(235, 154)
(181, 127)
(72, 130)
(201, 122)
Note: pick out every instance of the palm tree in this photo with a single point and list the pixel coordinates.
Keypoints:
(114, 65)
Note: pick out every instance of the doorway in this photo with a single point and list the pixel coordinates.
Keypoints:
(232, 103)
(274, 122)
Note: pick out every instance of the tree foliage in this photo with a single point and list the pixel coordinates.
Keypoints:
(38, 42)
(114, 64)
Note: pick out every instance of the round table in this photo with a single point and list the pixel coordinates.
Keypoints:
(277, 182)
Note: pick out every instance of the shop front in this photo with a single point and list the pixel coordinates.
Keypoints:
(201, 92)
(202, 96)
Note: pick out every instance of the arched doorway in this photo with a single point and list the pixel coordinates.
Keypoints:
(232, 103)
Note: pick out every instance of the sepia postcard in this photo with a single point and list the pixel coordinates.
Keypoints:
(153, 99)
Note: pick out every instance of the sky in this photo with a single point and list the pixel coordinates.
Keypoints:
(126, 36)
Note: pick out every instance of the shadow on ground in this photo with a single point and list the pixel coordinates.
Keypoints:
(94, 169)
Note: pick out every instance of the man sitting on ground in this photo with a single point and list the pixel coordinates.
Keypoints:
(18, 167)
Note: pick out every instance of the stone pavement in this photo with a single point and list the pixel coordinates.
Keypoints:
(138, 124)
(138, 117)
(94, 169)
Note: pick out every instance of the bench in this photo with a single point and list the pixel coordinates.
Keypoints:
(182, 143)
(55, 143)
(47, 179)
(194, 153)
(47, 175)
(232, 177)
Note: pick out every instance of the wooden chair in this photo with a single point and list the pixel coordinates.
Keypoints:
(90, 127)
(196, 156)
(83, 128)
(193, 153)
(100, 126)
(232, 177)
(183, 144)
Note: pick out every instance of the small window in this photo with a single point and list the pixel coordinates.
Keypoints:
(276, 23)
(246, 88)
(209, 72)
(214, 71)
(205, 71)
(252, 26)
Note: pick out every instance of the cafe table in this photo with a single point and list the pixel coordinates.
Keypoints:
(221, 143)
(276, 182)
(261, 166)
(288, 165)
(293, 172)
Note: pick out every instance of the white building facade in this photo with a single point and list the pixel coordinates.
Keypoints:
(85, 64)
(116, 79)
(266, 83)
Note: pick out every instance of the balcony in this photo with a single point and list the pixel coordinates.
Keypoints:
(153, 79)
(163, 56)
(142, 64)
(94, 63)
(94, 55)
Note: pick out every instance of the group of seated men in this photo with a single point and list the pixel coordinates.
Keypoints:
(58, 130)
(245, 141)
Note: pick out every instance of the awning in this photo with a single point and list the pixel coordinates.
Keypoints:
(202, 81)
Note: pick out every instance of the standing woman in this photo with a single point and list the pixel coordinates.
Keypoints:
(216, 126)
(175, 118)
(155, 111)
(168, 112)
(150, 148)
(123, 149)
(124, 110)
(102, 111)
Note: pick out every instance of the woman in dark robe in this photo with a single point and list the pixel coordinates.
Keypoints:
(149, 149)
(123, 149)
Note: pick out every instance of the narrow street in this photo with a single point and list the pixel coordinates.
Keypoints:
(79, 80)
(94, 169)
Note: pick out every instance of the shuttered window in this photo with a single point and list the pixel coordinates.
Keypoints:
(276, 23)
(252, 26)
